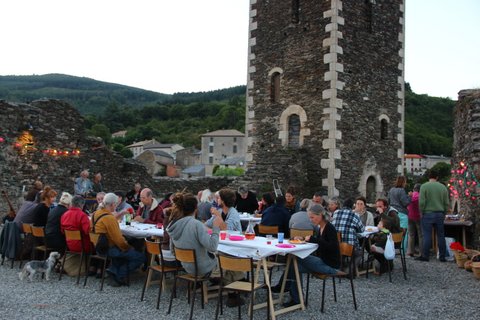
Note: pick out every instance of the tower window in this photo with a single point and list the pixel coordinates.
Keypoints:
(294, 131)
(295, 11)
(234, 149)
(275, 87)
(383, 129)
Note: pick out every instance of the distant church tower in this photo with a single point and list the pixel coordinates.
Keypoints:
(325, 95)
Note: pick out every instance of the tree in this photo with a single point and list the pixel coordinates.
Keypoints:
(102, 131)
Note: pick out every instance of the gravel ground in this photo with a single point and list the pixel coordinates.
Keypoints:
(433, 290)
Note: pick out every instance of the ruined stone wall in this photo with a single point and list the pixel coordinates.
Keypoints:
(466, 148)
(57, 125)
(341, 71)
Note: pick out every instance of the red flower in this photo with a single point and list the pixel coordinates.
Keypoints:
(457, 246)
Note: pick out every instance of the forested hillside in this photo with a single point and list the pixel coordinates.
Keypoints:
(183, 117)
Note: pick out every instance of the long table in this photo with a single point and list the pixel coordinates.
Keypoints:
(259, 250)
(141, 230)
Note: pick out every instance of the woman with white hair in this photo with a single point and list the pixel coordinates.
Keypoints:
(203, 210)
(54, 238)
(104, 221)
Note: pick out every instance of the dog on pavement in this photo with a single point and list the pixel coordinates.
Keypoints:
(34, 266)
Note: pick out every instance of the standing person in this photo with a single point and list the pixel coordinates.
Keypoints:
(414, 225)
(291, 203)
(246, 201)
(54, 237)
(83, 186)
(149, 211)
(133, 196)
(41, 211)
(227, 213)
(399, 199)
(433, 206)
(105, 222)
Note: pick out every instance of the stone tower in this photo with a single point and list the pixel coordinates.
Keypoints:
(325, 95)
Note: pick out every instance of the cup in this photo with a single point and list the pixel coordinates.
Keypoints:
(159, 225)
(223, 235)
(280, 237)
(269, 238)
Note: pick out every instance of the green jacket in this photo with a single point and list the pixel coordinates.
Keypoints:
(433, 197)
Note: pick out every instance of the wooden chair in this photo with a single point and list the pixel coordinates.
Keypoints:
(245, 265)
(300, 232)
(75, 235)
(346, 251)
(398, 240)
(27, 233)
(155, 250)
(188, 256)
(39, 243)
(104, 259)
(264, 230)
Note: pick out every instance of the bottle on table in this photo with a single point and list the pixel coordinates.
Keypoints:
(250, 232)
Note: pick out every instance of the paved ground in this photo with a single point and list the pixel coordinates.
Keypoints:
(433, 290)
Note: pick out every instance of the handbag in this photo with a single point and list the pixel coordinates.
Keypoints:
(102, 245)
(389, 252)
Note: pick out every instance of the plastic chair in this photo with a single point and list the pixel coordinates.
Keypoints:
(227, 263)
(346, 251)
(155, 250)
(75, 235)
(188, 256)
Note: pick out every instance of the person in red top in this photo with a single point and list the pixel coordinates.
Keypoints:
(76, 219)
(414, 226)
(149, 210)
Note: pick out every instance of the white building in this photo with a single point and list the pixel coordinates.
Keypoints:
(219, 145)
(418, 164)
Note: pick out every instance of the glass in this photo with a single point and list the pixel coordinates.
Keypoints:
(269, 238)
(280, 237)
(223, 235)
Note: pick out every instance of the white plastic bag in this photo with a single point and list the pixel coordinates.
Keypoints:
(389, 252)
(448, 253)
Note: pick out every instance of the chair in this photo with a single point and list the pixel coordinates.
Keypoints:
(346, 251)
(241, 265)
(264, 230)
(300, 232)
(188, 256)
(27, 234)
(40, 244)
(155, 250)
(94, 240)
(75, 235)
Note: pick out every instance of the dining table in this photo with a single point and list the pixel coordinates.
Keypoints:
(141, 230)
(260, 249)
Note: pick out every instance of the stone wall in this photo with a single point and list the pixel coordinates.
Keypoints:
(56, 125)
(466, 148)
(341, 72)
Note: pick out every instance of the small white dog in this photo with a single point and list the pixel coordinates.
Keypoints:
(35, 266)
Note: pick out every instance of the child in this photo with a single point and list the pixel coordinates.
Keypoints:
(377, 248)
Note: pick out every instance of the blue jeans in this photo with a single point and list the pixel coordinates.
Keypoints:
(309, 264)
(124, 262)
(430, 220)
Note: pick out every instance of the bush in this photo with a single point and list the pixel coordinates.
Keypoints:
(229, 172)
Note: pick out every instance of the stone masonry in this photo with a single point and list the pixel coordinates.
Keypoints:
(466, 148)
(337, 66)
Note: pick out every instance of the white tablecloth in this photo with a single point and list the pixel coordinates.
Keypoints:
(247, 217)
(258, 248)
(141, 230)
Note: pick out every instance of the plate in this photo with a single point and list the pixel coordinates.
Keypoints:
(285, 245)
(296, 241)
(236, 238)
(371, 229)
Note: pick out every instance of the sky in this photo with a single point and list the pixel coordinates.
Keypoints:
(193, 45)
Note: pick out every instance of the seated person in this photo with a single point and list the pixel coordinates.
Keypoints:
(54, 237)
(230, 219)
(206, 199)
(379, 240)
(123, 207)
(291, 203)
(300, 220)
(97, 184)
(133, 196)
(25, 213)
(361, 210)
(388, 212)
(105, 222)
(245, 200)
(37, 186)
(277, 215)
(42, 209)
(149, 211)
(327, 258)
(83, 186)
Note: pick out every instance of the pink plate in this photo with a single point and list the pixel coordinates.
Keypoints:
(236, 238)
(285, 245)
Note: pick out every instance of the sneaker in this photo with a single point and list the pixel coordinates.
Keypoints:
(421, 258)
(234, 300)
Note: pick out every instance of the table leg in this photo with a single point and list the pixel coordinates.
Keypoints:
(299, 282)
(267, 281)
(464, 237)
